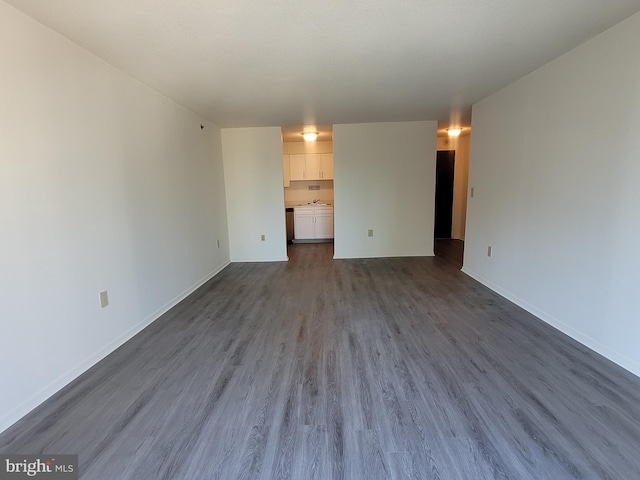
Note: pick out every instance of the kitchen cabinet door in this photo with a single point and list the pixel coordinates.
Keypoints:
(297, 166)
(326, 166)
(324, 222)
(303, 225)
(286, 172)
(312, 166)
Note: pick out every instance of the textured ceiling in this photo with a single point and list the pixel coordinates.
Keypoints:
(285, 62)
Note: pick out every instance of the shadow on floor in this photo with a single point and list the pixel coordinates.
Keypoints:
(449, 249)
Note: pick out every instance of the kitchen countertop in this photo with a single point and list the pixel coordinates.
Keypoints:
(299, 204)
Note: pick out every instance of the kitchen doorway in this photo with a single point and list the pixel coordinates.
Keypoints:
(307, 172)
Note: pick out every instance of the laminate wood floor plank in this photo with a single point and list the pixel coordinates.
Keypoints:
(393, 368)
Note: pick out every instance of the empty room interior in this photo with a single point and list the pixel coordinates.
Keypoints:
(379, 240)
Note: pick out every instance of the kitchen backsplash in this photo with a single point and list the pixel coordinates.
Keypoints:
(299, 192)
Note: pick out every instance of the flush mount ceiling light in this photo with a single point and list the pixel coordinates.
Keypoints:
(454, 132)
(309, 136)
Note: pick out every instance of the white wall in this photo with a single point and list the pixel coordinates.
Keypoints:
(307, 147)
(554, 163)
(461, 176)
(104, 185)
(255, 196)
(385, 181)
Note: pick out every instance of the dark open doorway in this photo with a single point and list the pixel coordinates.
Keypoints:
(444, 246)
(445, 167)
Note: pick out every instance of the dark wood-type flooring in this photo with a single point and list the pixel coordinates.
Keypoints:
(395, 368)
(450, 249)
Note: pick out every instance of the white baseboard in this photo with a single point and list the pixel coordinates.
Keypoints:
(616, 357)
(385, 255)
(259, 260)
(63, 380)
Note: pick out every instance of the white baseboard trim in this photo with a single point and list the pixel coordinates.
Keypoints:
(259, 260)
(616, 357)
(385, 255)
(63, 380)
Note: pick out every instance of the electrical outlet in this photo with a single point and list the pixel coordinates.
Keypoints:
(262, 237)
(218, 243)
(489, 251)
(473, 192)
(104, 299)
(370, 232)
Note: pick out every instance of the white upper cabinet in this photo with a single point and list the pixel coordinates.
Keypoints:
(326, 166)
(286, 171)
(310, 166)
(297, 166)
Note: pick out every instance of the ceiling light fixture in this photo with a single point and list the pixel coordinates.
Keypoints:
(309, 136)
(454, 132)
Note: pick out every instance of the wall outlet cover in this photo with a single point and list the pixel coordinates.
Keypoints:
(104, 299)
